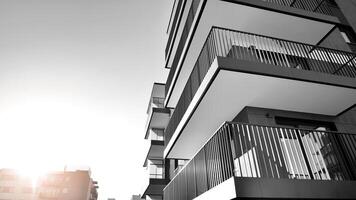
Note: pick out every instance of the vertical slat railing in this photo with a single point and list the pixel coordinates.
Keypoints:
(212, 165)
(277, 152)
(257, 151)
(319, 6)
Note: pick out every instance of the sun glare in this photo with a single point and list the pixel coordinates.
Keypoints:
(32, 173)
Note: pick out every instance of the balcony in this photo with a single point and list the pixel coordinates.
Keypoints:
(155, 146)
(237, 69)
(155, 178)
(255, 16)
(158, 115)
(326, 7)
(269, 162)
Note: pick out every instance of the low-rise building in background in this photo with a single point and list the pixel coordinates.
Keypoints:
(62, 185)
(15, 186)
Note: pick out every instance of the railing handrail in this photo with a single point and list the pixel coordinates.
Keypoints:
(286, 127)
(281, 39)
(249, 124)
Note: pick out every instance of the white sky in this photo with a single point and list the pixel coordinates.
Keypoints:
(75, 80)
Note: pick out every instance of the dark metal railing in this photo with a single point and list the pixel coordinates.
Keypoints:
(212, 165)
(261, 49)
(246, 150)
(319, 6)
(188, 24)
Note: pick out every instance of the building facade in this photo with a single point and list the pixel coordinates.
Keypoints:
(67, 185)
(64, 185)
(13, 186)
(261, 97)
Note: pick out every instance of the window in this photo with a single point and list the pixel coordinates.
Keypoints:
(156, 169)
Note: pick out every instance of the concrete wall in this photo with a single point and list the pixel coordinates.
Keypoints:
(67, 185)
(264, 116)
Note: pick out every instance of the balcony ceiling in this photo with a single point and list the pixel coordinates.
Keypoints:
(155, 151)
(159, 118)
(231, 91)
(249, 19)
(155, 187)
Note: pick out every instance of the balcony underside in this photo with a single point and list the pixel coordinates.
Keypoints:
(155, 187)
(248, 18)
(230, 85)
(264, 188)
(155, 151)
(158, 119)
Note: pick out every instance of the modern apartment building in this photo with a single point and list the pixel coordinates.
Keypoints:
(260, 100)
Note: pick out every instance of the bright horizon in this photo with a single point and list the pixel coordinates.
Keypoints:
(75, 81)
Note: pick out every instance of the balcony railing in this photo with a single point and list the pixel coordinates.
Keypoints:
(260, 49)
(319, 6)
(188, 24)
(246, 150)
